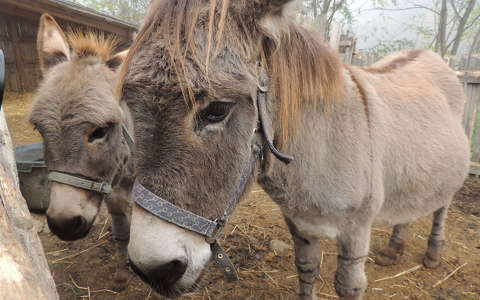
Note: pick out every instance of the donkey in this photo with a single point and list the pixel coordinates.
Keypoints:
(83, 127)
(380, 145)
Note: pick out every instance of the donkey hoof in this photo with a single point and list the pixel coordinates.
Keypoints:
(387, 257)
(430, 263)
(346, 293)
(120, 280)
(351, 296)
(307, 297)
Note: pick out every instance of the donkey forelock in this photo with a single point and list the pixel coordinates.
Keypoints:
(89, 43)
(303, 70)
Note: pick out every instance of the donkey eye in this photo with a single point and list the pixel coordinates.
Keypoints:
(99, 133)
(216, 111)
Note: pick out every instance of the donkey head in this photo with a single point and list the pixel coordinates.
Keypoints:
(191, 85)
(79, 119)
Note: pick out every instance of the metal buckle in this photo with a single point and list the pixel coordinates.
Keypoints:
(263, 89)
(217, 232)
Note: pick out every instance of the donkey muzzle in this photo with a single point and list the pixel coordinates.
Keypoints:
(70, 229)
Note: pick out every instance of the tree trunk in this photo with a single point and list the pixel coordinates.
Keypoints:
(475, 46)
(315, 9)
(323, 19)
(442, 28)
(461, 26)
(24, 272)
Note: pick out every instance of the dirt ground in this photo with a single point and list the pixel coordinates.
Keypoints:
(83, 269)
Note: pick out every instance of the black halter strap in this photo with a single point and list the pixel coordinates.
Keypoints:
(211, 229)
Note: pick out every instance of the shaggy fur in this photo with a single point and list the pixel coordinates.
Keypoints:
(304, 70)
(389, 149)
(76, 98)
(92, 44)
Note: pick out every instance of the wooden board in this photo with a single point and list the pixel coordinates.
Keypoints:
(471, 116)
(475, 169)
(18, 29)
(24, 272)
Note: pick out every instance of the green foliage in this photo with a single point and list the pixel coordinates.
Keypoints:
(385, 47)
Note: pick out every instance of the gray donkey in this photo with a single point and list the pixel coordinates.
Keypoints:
(84, 129)
(379, 145)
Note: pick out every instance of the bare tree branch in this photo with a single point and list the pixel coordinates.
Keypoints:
(440, 45)
(403, 8)
(461, 26)
(455, 10)
(475, 45)
(474, 22)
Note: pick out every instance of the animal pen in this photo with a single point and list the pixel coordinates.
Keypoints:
(18, 29)
(247, 228)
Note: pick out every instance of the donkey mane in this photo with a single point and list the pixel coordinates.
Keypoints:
(303, 70)
(387, 65)
(92, 43)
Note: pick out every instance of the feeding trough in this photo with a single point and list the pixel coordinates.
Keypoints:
(33, 176)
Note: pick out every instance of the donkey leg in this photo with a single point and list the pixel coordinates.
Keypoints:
(436, 241)
(394, 250)
(119, 210)
(307, 261)
(350, 278)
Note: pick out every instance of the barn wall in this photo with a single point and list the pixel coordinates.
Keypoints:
(18, 40)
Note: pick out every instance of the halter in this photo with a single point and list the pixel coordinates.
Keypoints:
(211, 229)
(102, 187)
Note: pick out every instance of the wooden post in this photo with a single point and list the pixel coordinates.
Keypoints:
(24, 272)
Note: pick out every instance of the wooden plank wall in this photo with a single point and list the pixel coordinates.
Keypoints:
(18, 39)
(471, 116)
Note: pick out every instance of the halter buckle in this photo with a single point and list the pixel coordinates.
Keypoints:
(217, 232)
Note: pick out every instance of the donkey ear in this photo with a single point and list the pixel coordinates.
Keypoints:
(52, 44)
(116, 60)
(274, 7)
(270, 18)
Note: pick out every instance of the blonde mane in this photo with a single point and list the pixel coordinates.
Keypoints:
(92, 44)
(303, 70)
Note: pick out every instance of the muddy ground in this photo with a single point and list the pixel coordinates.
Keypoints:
(84, 269)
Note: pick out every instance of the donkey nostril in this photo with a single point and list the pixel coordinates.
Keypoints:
(167, 274)
(52, 224)
(78, 222)
(68, 229)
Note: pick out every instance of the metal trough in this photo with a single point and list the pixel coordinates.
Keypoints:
(32, 174)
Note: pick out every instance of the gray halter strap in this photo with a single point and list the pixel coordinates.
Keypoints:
(97, 186)
(102, 187)
(171, 213)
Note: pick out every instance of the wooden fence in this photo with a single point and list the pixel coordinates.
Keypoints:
(19, 21)
(471, 116)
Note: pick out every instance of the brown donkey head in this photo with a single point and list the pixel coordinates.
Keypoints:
(79, 119)
(191, 85)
